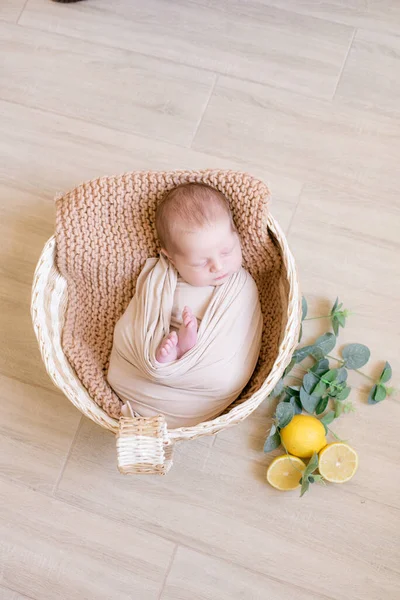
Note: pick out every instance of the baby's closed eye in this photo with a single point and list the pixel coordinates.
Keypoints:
(200, 265)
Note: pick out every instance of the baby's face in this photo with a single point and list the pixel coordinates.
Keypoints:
(209, 255)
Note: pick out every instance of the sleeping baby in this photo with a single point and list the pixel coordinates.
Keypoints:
(189, 340)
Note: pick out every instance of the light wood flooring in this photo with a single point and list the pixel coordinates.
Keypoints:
(302, 93)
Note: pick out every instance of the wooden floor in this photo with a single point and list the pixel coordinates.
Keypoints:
(304, 94)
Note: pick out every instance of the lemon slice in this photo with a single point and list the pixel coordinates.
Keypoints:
(285, 472)
(338, 462)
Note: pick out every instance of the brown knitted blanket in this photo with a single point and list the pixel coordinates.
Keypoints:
(105, 232)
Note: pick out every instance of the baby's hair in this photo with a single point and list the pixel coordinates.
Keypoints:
(188, 206)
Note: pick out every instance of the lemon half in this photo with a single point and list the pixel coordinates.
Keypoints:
(285, 472)
(338, 462)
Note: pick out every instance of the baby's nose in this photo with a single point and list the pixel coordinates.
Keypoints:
(216, 266)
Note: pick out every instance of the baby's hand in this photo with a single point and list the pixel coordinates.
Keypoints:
(188, 318)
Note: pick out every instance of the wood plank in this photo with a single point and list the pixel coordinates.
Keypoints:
(301, 136)
(112, 87)
(243, 39)
(375, 15)
(37, 429)
(371, 76)
(195, 575)
(52, 550)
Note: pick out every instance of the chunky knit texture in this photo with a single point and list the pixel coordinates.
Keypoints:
(105, 232)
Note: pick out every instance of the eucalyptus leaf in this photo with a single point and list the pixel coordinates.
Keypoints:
(320, 389)
(335, 325)
(294, 401)
(335, 388)
(334, 307)
(298, 409)
(300, 333)
(330, 376)
(343, 394)
(319, 479)
(326, 343)
(380, 393)
(304, 487)
(308, 402)
(355, 356)
(304, 308)
(302, 353)
(310, 380)
(277, 389)
(289, 367)
(341, 318)
(341, 374)
(338, 409)
(311, 467)
(317, 353)
(321, 406)
(272, 442)
(320, 367)
(371, 395)
(284, 414)
(272, 430)
(386, 374)
(293, 390)
(311, 479)
(328, 418)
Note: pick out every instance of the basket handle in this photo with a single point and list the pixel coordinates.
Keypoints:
(143, 446)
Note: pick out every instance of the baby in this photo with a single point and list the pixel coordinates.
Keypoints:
(190, 338)
(197, 234)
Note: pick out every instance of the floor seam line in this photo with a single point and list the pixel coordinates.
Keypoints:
(20, 14)
(62, 471)
(169, 569)
(344, 63)
(205, 110)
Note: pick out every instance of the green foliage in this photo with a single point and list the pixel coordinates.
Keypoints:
(355, 356)
(320, 367)
(324, 388)
(322, 405)
(301, 353)
(327, 419)
(324, 344)
(386, 374)
(308, 475)
(277, 389)
(304, 308)
(273, 440)
(379, 391)
(338, 316)
(289, 367)
(284, 414)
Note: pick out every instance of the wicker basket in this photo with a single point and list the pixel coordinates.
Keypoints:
(145, 445)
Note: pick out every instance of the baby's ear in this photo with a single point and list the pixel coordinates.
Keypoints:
(165, 253)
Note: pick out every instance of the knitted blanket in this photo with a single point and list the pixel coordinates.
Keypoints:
(105, 233)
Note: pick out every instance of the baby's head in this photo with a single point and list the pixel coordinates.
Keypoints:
(196, 231)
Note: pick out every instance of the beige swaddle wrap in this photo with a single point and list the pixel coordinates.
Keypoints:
(208, 378)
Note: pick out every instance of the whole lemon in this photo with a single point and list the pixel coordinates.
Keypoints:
(303, 436)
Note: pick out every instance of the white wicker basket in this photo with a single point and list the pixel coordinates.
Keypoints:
(145, 445)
